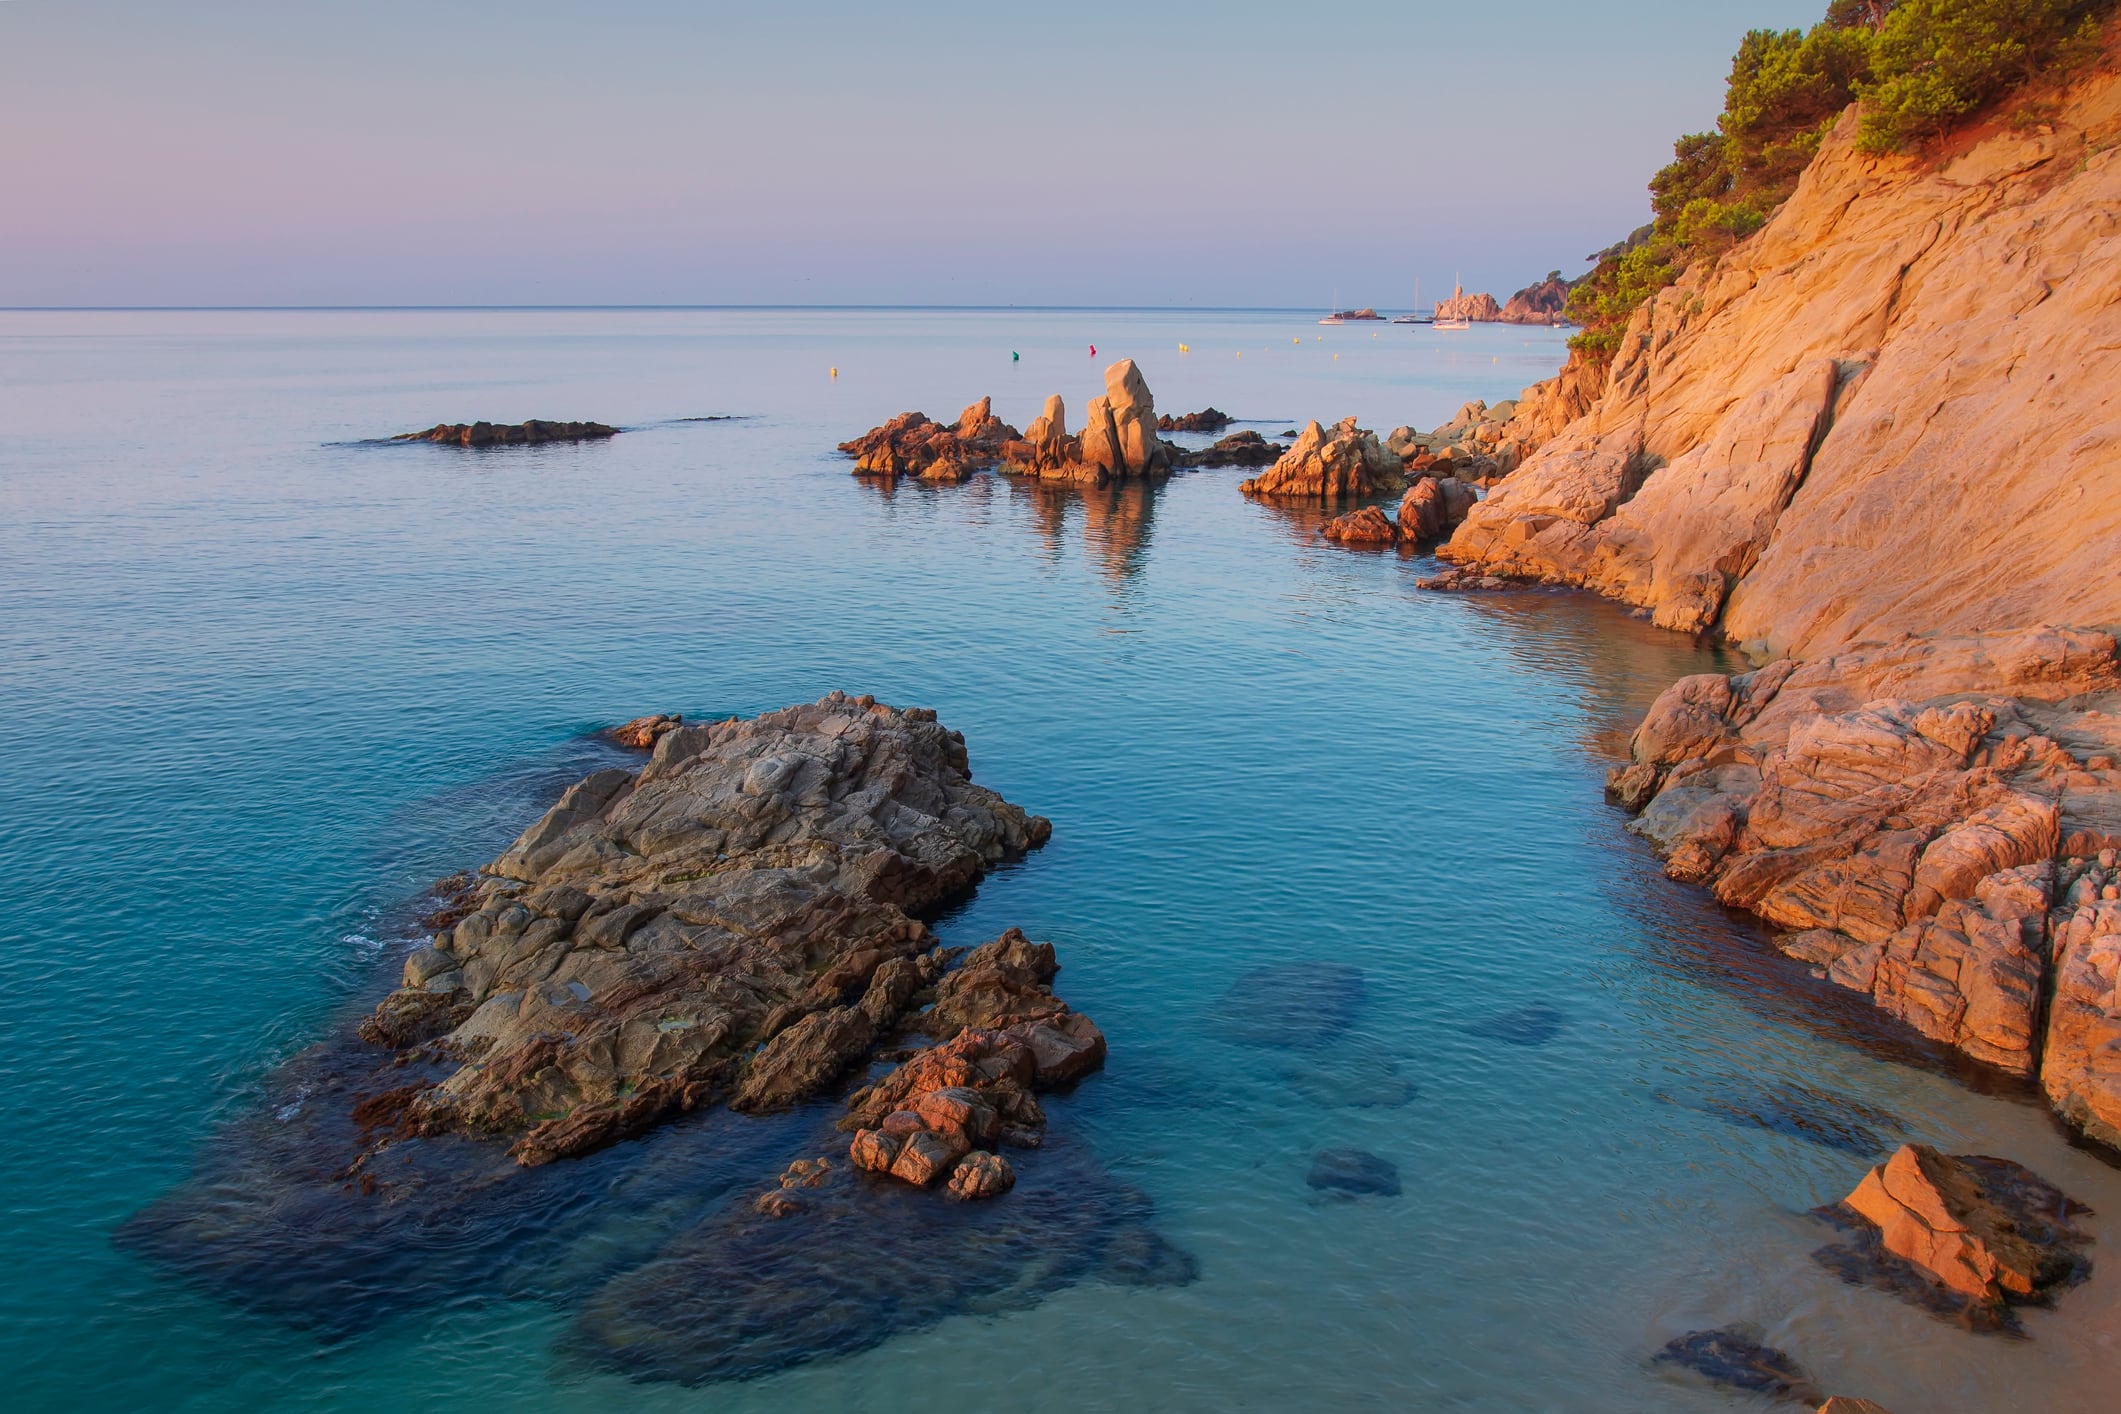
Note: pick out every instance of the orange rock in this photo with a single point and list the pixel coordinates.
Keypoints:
(1936, 1213)
(927, 1156)
(1368, 526)
(643, 732)
(981, 1174)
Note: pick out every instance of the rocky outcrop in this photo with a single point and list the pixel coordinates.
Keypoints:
(643, 733)
(738, 919)
(513, 434)
(1206, 420)
(1237, 449)
(1543, 303)
(1828, 436)
(1480, 308)
(1118, 440)
(911, 445)
(1915, 814)
(1347, 463)
(1987, 1229)
(1368, 526)
(1004, 1037)
(2081, 1063)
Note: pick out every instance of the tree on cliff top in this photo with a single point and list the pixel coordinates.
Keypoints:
(1918, 67)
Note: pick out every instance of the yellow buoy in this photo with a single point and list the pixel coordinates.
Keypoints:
(1297, 340)
(1336, 358)
(835, 373)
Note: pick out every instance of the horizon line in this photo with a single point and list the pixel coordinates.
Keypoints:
(498, 308)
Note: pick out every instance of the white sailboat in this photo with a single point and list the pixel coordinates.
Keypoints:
(1416, 316)
(1456, 321)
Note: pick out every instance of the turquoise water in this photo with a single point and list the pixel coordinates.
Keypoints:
(260, 682)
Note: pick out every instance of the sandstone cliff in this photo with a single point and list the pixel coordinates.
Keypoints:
(1893, 409)
(1878, 445)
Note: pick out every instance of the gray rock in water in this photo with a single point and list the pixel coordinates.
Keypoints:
(1354, 1173)
(1291, 1004)
(1735, 1358)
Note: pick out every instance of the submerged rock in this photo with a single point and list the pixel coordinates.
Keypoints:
(493, 434)
(1988, 1229)
(1294, 1005)
(1735, 1358)
(1246, 448)
(1800, 1112)
(1354, 1173)
(1534, 1024)
(746, 1294)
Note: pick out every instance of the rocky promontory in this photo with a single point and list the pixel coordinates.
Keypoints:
(1544, 303)
(1479, 308)
(1872, 446)
(515, 434)
(738, 920)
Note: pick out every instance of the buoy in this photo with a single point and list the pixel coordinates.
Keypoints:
(1496, 359)
(1336, 358)
(1185, 348)
(1093, 351)
(835, 373)
(1012, 355)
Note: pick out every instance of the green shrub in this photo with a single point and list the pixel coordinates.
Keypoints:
(1936, 61)
(1917, 66)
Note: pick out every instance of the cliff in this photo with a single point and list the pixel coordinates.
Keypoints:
(1543, 303)
(1878, 445)
(1895, 408)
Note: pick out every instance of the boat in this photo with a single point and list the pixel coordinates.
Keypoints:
(1416, 316)
(1458, 294)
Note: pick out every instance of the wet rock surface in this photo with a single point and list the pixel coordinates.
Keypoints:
(1298, 1005)
(1353, 1173)
(1927, 819)
(1735, 1358)
(1961, 1235)
(513, 434)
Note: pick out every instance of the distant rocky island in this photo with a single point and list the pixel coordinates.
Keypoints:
(514, 434)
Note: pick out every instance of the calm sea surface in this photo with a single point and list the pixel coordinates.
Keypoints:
(260, 683)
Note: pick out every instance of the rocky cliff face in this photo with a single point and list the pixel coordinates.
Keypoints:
(1892, 410)
(1542, 303)
(1879, 446)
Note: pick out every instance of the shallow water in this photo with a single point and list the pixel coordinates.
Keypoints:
(260, 681)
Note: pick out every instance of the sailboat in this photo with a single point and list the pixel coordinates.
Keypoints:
(1416, 316)
(1456, 321)
(1337, 316)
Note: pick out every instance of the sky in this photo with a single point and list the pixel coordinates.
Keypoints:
(387, 152)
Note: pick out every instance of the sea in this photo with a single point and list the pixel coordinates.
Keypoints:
(264, 676)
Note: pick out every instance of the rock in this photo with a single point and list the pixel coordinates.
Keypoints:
(490, 434)
(754, 882)
(1986, 1228)
(1118, 439)
(1480, 308)
(1368, 526)
(1845, 1404)
(911, 445)
(1206, 420)
(926, 1156)
(1736, 1359)
(1296, 1005)
(1534, 1024)
(1238, 449)
(1346, 464)
(981, 1174)
(1800, 1112)
(1353, 1173)
(642, 733)
(1421, 512)
(1906, 841)
(2081, 1060)
(1543, 303)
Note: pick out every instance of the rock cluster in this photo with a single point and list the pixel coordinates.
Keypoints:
(1118, 439)
(1986, 1228)
(1348, 463)
(644, 732)
(737, 919)
(1237, 449)
(1003, 1037)
(1431, 507)
(911, 445)
(1933, 820)
(1480, 444)
(516, 434)
(1206, 420)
